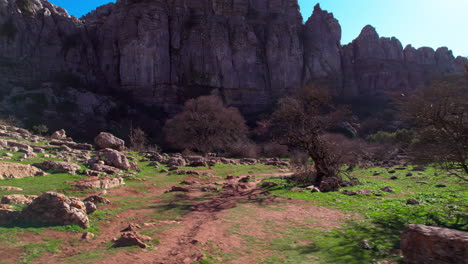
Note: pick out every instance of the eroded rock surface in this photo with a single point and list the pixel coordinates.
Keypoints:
(99, 183)
(54, 208)
(17, 171)
(422, 244)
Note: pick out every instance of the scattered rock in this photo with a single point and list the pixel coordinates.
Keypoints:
(60, 135)
(387, 189)
(365, 244)
(179, 189)
(409, 174)
(54, 208)
(58, 166)
(91, 173)
(10, 188)
(114, 158)
(90, 207)
(176, 162)
(419, 168)
(245, 179)
(5, 207)
(18, 199)
(362, 192)
(105, 169)
(87, 236)
(441, 185)
(129, 239)
(412, 202)
(16, 171)
(313, 188)
(99, 183)
(96, 199)
(422, 244)
(65, 148)
(330, 184)
(106, 140)
(391, 171)
(394, 178)
(131, 227)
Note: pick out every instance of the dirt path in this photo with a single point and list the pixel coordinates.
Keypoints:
(205, 229)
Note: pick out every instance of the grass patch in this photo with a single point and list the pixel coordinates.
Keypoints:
(384, 216)
(35, 250)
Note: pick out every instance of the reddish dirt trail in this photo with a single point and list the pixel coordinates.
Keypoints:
(204, 228)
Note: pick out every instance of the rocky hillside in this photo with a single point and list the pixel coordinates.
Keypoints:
(162, 52)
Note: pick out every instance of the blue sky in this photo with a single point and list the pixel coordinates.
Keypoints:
(432, 23)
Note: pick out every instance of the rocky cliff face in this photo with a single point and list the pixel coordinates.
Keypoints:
(162, 52)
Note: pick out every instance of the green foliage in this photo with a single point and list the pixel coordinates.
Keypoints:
(8, 30)
(401, 137)
(26, 6)
(34, 250)
(40, 129)
(383, 215)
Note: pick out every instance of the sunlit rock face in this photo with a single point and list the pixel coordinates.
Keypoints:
(163, 52)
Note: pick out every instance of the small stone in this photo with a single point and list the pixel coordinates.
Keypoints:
(87, 236)
(441, 186)
(412, 202)
(387, 189)
(394, 178)
(90, 207)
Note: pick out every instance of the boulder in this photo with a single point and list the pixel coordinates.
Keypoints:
(53, 208)
(18, 199)
(102, 168)
(60, 135)
(90, 207)
(99, 183)
(58, 166)
(179, 189)
(106, 140)
(196, 161)
(412, 202)
(87, 236)
(422, 244)
(97, 199)
(114, 158)
(129, 239)
(21, 147)
(17, 171)
(176, 162)
(131, 227)
(330, 184)
(387, 189)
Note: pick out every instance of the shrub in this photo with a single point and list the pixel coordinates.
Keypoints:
(402, 137)
(8, 30)
(206, 125)
(138, 139)
(40, 129)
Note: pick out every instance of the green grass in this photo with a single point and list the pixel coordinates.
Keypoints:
(383, 216)
(35, 250)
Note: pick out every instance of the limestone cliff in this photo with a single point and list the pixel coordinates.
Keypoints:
(162, 52)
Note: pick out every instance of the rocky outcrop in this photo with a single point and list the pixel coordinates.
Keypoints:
(99, 183)
(18, 199)
(422, 244)
(107, 140)
(161, 53)
(58, 166)
(17, 171)
(54, 208)
(114, 158)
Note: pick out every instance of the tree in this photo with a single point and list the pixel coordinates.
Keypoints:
(301, 122)
(440, 116)
(206, 125)
(138, 139)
